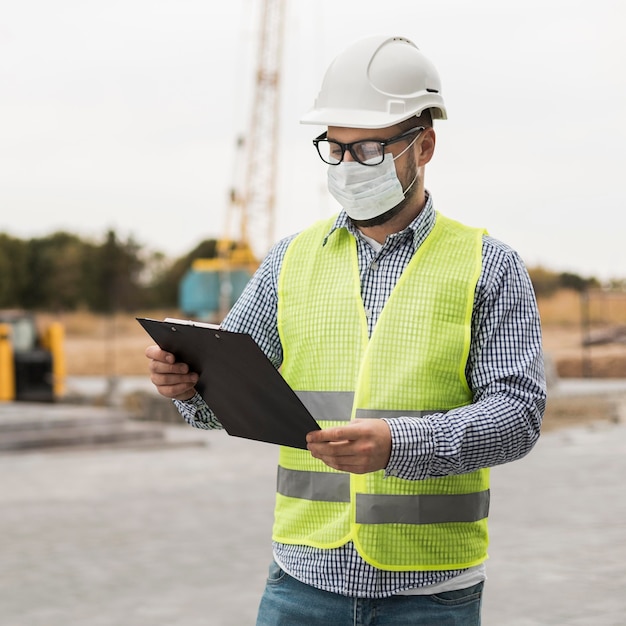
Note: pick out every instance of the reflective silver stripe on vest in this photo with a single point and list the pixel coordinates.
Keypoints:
(328, 405)
(317, 486)
(421, 509)
(375, 413)
(384, 508)
(337, 406)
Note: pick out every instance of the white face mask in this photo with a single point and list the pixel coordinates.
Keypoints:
(367, 191)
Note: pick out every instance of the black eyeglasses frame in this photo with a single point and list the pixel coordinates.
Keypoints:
(349, 146)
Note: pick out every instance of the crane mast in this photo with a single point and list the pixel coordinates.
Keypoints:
(252, 203)
(211, 286)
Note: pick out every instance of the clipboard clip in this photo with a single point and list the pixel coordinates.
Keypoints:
(175, 320)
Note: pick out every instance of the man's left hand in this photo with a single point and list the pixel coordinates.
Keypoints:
(361, 446)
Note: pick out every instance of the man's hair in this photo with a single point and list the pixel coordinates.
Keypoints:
(426, 118)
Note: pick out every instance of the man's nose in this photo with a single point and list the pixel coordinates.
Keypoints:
(347, 155)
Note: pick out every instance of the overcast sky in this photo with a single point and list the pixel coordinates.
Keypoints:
(123, 114)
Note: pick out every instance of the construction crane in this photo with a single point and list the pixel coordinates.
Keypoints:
(211, 286)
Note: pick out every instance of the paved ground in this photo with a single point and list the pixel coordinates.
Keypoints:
(180, 536)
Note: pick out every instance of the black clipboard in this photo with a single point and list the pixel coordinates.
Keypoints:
(246, 392)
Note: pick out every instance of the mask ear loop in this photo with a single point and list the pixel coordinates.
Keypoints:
(404, 191)
(416, 169)
(416, 138)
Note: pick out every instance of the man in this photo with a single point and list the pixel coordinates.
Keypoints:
(415, 342)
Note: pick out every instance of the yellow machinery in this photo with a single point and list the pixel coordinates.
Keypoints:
(211, 286)
(32, 364)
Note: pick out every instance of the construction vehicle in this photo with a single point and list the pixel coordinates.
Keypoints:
(32, 364)
(211, 286)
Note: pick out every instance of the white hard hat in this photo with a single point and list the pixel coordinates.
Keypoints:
(377, 82)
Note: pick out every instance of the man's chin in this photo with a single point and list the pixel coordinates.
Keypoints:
(381, 219)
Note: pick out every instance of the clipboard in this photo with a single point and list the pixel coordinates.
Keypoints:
(246, 392)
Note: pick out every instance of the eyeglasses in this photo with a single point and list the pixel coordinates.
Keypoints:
(366, 152)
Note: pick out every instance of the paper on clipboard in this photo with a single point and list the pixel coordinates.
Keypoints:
(244, 390)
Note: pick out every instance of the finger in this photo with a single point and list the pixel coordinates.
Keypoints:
(159, 367)
(352, 464)
(165, 379)
(332, 448)
(179, 391)
(155, 353)
(347, 433)
(339, 455)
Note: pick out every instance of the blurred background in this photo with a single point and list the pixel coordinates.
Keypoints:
(127, 116)
(150, 155)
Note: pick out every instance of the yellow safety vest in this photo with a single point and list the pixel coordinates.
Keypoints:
(413, 364)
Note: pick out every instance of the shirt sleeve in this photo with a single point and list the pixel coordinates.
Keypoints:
(197, 414)
(256, 310)
(505, 373)
(254, 313)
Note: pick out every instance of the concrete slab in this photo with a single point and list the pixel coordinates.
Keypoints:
(25, 426)
(558, 532)
(181, 536)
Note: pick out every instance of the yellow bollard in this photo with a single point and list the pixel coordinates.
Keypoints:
(53, 340)
(7, 365)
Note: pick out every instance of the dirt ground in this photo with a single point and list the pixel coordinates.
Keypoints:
(564, 346)
(96, 346)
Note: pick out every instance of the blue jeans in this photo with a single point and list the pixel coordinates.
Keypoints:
(288, 602)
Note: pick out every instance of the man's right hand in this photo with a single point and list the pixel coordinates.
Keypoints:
(172, 379)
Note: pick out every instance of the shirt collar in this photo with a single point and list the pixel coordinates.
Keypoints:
(420, 226)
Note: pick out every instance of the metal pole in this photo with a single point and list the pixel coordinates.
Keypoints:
(585, 321)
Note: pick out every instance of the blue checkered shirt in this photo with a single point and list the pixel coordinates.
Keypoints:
(504, 370)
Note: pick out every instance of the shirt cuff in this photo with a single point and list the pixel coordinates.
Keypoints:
(196, 412)
(413, 446)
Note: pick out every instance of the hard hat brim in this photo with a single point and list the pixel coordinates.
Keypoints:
(350, 118)
(354, 118)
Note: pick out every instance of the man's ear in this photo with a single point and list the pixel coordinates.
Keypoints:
(426, 145)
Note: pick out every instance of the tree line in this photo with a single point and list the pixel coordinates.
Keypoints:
(546, 282)
(64, 272)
